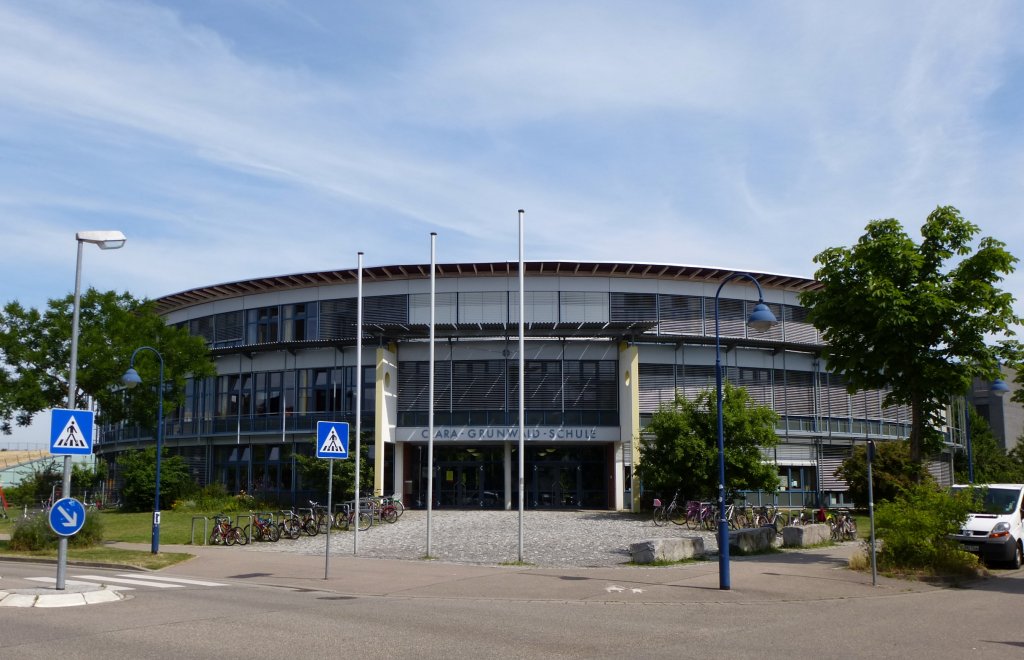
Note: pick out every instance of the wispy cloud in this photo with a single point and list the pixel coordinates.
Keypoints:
(245, 139)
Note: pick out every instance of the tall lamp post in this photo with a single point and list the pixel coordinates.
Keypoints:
(130, 379)
(106, 240)
(760, 319)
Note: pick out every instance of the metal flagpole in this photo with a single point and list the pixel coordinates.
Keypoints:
(522, 385)
(359, 392)
(430, 396)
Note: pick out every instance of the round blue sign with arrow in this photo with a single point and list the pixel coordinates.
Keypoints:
(67, 516)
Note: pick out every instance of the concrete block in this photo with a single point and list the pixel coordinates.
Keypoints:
(803, 536)
(752, 541)
(668, 549)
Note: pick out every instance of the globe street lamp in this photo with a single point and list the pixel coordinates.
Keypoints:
(130, 379)
(106, 240)
(760, 319)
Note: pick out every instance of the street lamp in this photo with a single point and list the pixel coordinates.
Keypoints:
(106, 240)
(130, 379)
(761, 319)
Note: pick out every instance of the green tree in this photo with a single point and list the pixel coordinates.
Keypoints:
(683, 451)
(37, 486)
(892, 472)
(35, 357)
(991, 463)
(138, 477)
(314, 473)
(895, 315)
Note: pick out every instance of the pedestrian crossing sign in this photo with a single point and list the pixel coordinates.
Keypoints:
(70, 432)
(332, 439)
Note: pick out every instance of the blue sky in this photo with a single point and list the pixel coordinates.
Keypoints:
(244, 138)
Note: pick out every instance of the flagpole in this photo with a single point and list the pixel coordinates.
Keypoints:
(522, 384)
(430, 396)
(359, 392)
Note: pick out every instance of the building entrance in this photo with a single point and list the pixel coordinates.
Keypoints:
(557, 477)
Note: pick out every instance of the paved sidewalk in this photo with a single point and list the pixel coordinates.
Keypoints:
(567, 556)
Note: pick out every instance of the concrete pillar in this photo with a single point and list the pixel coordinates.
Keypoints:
(386, 416)
(629, 423)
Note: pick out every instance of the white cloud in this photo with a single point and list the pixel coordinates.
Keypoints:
(749, 136)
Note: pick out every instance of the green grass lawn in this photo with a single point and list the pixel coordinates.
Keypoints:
(175, 528)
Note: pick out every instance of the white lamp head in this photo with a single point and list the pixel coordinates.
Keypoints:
(106, 240)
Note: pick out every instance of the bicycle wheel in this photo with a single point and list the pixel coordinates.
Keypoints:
(217, 537)
(399, 506)
(239, 536)
(341, 520)
(692, 520)
(676, 514)
(365, 520)
(389, 514)
(322, 522)
(273, 533)
(251, 533)
(741, 521)
(291, 528)
(310, 527)
(659, 516)
(710, 522)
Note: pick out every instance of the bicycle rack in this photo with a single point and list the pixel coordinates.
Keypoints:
(206, 533)
(238, 523)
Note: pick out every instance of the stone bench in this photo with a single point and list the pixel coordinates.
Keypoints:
(806, 535)
(667, 549)
(752, 541)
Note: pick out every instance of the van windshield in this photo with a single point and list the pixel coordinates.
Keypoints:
(996, 500)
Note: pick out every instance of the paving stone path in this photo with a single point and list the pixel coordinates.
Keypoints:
(550, 538)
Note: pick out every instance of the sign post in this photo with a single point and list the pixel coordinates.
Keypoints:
(332, 443)
(70, 435)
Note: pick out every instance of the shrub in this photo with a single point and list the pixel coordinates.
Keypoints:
(35, 534)
(215, 497)
(915, 529)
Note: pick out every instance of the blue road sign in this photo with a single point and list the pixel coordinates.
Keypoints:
(332, 439)
(67, 516)
(70, 432)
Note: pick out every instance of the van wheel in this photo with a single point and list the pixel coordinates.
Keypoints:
(1018, 557)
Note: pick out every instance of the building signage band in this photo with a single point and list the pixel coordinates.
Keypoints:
(510, 434)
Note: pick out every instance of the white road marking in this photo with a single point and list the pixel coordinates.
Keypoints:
(79, 583)
(142, 583)
(161, 578)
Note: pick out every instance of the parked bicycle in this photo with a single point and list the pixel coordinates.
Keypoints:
(346, 518)
(396, 501)
(701, 514)
(671, 511)
(262, 529)
(225, 534)
(289, 524)
(842, 526)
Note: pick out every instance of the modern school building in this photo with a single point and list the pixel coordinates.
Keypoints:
(605, 345)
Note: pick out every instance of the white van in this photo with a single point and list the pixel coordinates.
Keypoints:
(995, 532)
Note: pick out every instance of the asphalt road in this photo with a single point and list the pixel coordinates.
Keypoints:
(791, 605)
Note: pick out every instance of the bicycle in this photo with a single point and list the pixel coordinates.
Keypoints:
(772, 517)
(262, 529)
(307, 522)
(842, 526)
(290, 526)
(345, 518)
(396, 501)
(670, 511)
(701, 514)
(224, 534)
